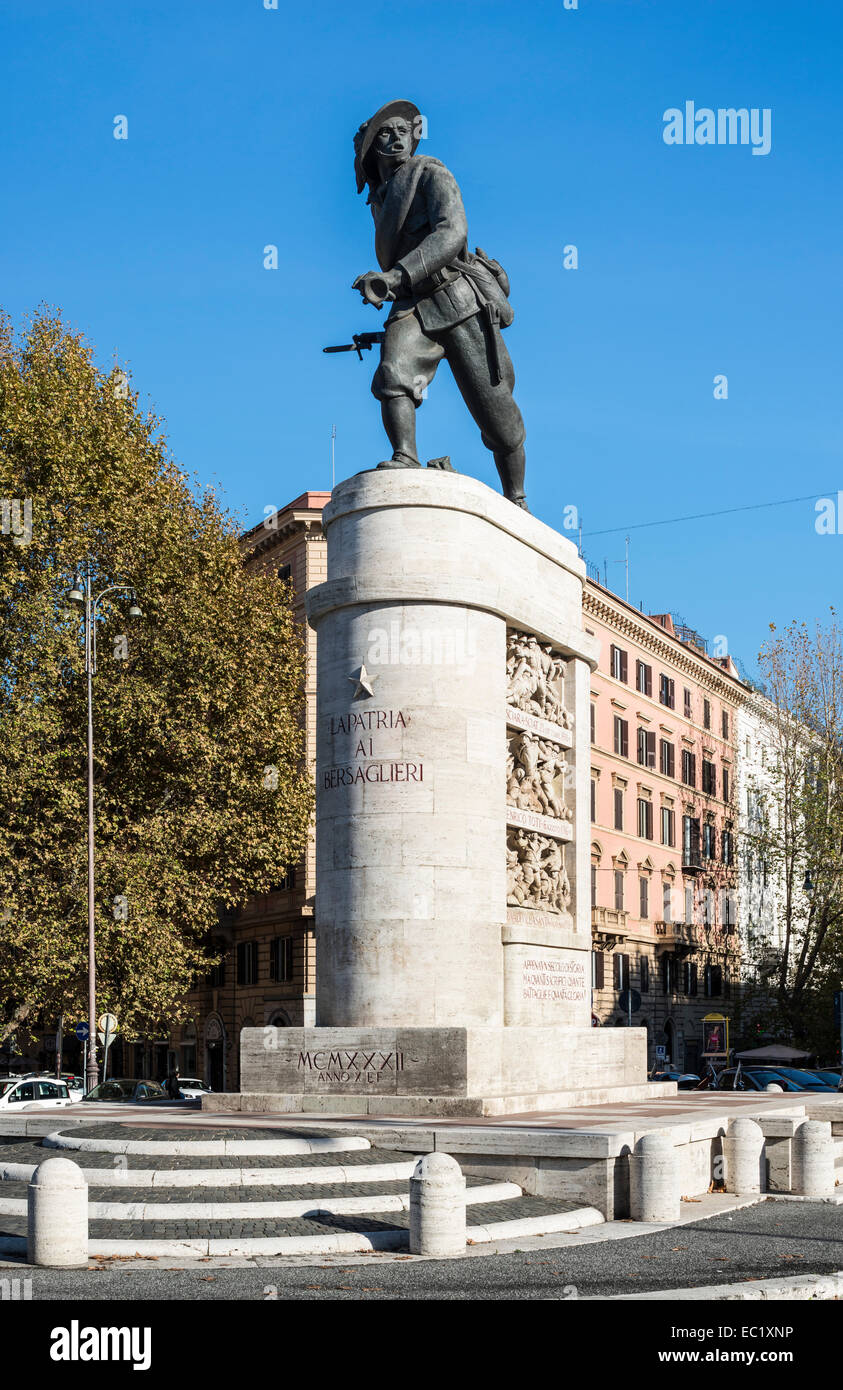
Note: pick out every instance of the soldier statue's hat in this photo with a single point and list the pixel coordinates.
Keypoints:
(364, 139)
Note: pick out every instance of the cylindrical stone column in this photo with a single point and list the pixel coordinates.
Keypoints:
(743, 1151)
(57, 1215)
(426, 570)
(813, 1159)
(654, 1179)
(437, 1206)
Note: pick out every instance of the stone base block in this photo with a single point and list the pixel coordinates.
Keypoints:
(441, 1071)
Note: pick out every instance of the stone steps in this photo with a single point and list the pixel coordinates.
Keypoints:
(298, 1198)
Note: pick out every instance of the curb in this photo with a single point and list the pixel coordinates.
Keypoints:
(248, 1211)
(800, 1287)
(209, 1148)
(224, 1177)
(349, 1242)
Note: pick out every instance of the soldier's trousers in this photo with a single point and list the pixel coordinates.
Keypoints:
(410, 356)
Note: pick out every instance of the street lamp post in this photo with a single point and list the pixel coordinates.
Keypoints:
(82, 592)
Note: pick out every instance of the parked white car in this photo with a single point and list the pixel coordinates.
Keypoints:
(192, 1088)
(33, 1093)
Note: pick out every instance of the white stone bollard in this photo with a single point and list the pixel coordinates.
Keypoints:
(813, 1159)
(437, 1206)
(743, 1150)
(773, 1086)
(57, 1214)
(654, 1179)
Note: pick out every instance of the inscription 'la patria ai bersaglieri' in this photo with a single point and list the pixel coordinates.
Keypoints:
(362, 728)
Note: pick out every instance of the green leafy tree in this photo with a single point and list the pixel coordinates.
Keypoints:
(202, 795)
(792, 843)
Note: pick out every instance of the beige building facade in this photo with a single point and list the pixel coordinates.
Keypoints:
(664, 823)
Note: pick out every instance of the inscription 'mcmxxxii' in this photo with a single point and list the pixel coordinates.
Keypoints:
(321, 1061)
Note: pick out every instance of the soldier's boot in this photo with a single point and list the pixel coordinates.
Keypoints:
(511, 468)
(399, 420)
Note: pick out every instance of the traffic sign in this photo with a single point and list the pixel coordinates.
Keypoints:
(629, 1000)
(108, 1023)
(82, 1032)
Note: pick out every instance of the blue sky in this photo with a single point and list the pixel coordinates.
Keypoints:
(693, 261)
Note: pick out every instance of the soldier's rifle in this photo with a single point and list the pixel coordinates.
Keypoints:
(360, 343)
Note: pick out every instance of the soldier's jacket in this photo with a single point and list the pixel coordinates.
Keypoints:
(421, 225)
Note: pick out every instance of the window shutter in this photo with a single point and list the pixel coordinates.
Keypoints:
(599, 970)
(624, 739)
(651, 749)
(624, 676)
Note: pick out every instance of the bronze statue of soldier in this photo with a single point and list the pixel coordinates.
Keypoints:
(446, 302)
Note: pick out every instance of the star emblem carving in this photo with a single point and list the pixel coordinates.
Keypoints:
(364, 684)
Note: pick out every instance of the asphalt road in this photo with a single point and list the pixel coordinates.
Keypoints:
(768, 1241)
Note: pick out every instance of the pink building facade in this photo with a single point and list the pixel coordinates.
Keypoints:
(663, 851)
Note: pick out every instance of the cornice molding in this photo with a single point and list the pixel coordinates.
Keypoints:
(670, 650)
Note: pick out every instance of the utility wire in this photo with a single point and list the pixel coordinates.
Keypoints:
(699, 516)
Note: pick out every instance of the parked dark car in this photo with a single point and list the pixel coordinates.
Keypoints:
(805, 1080)
(752, 1079)
(127, 1090)
(685, 1080)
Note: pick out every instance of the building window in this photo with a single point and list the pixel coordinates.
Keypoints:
(666, 692)
(597, 970)
(593, 799)
(689, 977)
(706, 714)
(689, 768)
(646, 748)
(724, 723)
(593, 884)
(621, 737)
(667, 910)
(667, 764)
(285, 572)
(644, 898)
(708, 909)
(727, 909)
(690, 842)
(593, 737)
(644, 972)
(619, 664)
(216, 975)
(725, 775)
(687, 702)
(709, 845)
(689, 905)
(247, 963)
(620, 965)
(643, 678)
(618, 809)
(619, 890)
(709, 778)
(668, 975)
(645, 819)
(668, 827)
(281, 959)
(728, 847)
(713, 980)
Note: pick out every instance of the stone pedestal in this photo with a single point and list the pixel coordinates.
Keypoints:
(452, 832)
